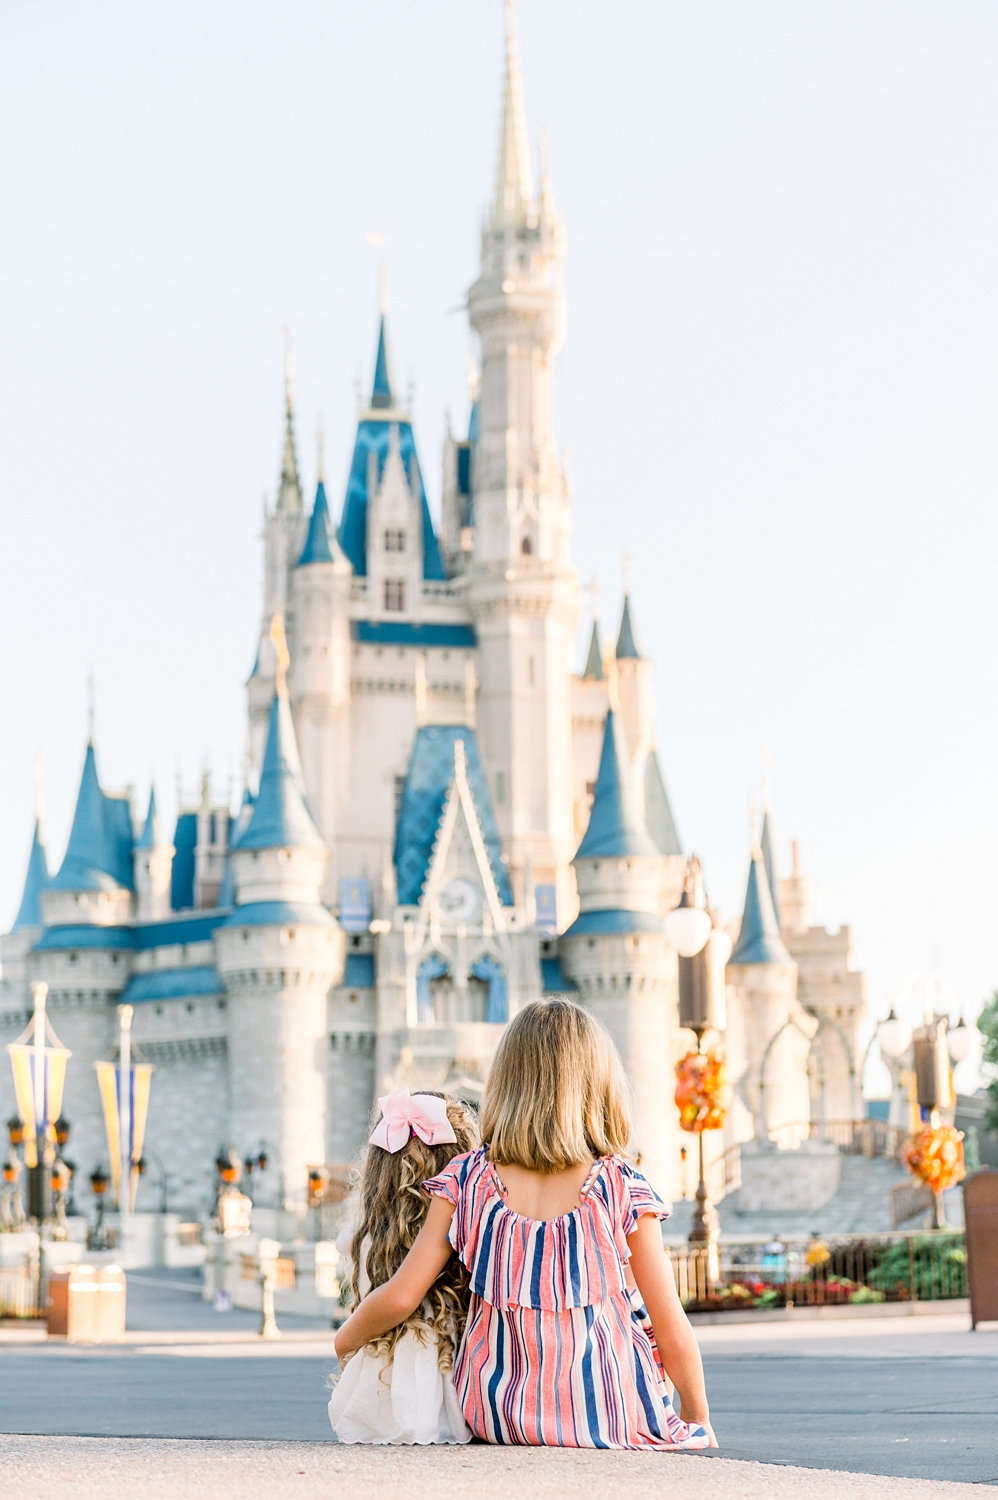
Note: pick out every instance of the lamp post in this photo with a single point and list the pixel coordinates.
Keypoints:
(99, 1181)
(702, 954)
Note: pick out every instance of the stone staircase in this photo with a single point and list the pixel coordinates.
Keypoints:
(861, 1205)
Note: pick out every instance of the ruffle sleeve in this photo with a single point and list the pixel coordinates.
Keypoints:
(637, 1197)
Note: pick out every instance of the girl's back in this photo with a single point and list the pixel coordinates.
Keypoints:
(556, 1349)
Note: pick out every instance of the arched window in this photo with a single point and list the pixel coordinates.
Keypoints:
(526, 546)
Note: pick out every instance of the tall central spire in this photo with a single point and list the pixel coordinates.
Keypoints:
(514, 190)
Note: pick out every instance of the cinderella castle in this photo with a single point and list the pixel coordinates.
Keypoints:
(448, 814)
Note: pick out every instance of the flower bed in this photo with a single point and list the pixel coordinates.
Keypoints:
(881, 1268)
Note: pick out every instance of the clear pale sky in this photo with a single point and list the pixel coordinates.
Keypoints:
(778, 389)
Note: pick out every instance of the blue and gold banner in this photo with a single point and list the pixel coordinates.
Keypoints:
(39, 1079)
(109, 1083)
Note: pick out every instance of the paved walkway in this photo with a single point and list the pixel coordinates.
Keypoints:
(194, 1403)
(121, 1469)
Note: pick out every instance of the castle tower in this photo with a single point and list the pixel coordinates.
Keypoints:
(635, 687)
(769, 1035)
(85, 952)
(277, 955)
(617, 954)
(17, 944)
(283, 532)
(153, 867)
(522, 589)
(767, 846)
(320, 673)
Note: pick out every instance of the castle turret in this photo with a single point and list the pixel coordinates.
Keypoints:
(768, 850)
(95, 880)
(769, 1034)
(277, 955)
(635, 687)
(283, 532)
(522, 589)
(617, 954)
(153, 862)
(18, 942)
(320, 674)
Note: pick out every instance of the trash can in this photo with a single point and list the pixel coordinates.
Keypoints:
(980, 1216)
(87, 1304)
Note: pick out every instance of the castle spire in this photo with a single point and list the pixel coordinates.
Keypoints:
(593, 670)
(29, 913)
(514, 190)
(151, 836)
(382, 391)
(627, 648)
(769, 861)
(280, 818)
(289, 498)
(616, 827)
(759, 940)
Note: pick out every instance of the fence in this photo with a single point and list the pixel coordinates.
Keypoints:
(801, 1273)
(18, 1288)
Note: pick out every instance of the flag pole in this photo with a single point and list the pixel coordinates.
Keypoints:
(125, 1116)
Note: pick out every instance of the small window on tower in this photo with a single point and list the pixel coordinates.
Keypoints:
(394, 594)
(500, 787)
(394, 539)
(526, 546)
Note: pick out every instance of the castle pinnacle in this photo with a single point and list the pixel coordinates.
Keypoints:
(627, 648)
(759, 940)
(616, 828)
(37, 878)
(289, 497)
(514, 190)
(382, 392)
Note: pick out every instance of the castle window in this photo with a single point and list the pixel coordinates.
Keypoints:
(394, 539)
(526, 546)
(530, 671)
(399, 793)
(500, 786)
(394, 594)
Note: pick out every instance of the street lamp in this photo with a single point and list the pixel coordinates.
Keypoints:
(893, 1037)
(960, 1041)
(99, 1181)
(702, 956)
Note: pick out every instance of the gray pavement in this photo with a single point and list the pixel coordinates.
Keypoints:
(912, 1398)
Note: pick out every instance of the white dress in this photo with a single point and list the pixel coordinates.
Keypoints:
(410, 1401)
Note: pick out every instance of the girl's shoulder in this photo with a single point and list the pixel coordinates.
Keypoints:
(460, 1176)
(628, 1193)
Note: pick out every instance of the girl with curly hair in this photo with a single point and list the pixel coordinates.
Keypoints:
(397, 1388)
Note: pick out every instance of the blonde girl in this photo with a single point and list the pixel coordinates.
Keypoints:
(399, 1388)
(552, 1224)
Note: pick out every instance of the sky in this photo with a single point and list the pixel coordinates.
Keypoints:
(777, 392)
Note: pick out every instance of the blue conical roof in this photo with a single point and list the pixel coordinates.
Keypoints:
(658, 809)
(29, 913)
(759, 940)
(280, 818)
(150, 838)
(593, 670)
(626, 645)
(382, 395)
(99, 853)
(616, 827)
(317, 548)
(769, 860)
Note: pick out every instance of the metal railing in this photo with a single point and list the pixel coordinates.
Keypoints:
(837, 1271)
(18, 1290)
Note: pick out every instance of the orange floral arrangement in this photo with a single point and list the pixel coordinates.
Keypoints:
(935, 1156)
(702, 1091)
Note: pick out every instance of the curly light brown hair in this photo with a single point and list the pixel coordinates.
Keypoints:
(393, 1205)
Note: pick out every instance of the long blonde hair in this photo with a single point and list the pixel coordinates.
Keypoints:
(556, 1094)
(393, 1206)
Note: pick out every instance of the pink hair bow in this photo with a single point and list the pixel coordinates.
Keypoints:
(404, 1115)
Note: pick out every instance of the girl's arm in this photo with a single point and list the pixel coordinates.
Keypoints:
(388, 1305)
(673, 1334)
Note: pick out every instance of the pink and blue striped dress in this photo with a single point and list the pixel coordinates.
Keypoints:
(557, 1351)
